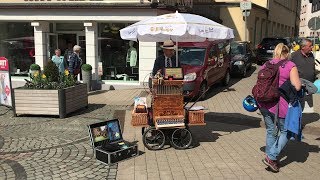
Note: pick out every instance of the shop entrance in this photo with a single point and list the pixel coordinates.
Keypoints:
(65, 42)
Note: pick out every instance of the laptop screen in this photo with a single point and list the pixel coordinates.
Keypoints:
(108, 132)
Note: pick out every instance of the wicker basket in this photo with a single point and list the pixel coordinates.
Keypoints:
(196, 117)
(139, 119)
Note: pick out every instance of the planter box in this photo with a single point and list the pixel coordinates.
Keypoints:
(50, 102)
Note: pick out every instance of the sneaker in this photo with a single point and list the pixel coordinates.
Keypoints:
(271, 164)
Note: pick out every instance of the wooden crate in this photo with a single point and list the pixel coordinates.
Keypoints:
(196, 117)
(50, 102)
(139, 119)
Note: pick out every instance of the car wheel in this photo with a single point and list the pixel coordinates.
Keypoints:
(226, 78)
(244, 72)
(202, 91)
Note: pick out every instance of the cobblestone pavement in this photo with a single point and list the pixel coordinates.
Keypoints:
(230, 146)
(52, 148)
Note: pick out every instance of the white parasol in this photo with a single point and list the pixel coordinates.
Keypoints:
(179, 27)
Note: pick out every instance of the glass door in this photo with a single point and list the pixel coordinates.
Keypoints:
(81, 39)
(52, 45)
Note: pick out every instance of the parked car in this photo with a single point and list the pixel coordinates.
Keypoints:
(266, 47)
(204, 64)
(242, 58)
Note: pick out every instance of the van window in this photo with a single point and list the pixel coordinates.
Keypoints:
(213, 52)
(192, 55)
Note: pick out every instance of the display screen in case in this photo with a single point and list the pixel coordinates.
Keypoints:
(106, 132)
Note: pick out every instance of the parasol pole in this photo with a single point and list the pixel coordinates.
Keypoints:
(176, 51)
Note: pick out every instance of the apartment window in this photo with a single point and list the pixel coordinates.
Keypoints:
(315, 6)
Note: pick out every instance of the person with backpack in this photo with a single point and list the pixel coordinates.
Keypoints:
(273, 107)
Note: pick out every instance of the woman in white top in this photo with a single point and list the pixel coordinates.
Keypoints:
(58, 60)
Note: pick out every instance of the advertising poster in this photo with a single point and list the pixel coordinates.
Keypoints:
(5, 85)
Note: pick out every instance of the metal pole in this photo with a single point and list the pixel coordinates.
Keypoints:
(245, 25)
(314, 33)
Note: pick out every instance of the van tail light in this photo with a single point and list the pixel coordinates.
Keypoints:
(259, 46)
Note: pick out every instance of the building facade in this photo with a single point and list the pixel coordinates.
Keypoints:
(31, 30)
(268, 18)
(309, 9)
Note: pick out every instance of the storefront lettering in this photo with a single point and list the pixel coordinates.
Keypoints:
(185, 3)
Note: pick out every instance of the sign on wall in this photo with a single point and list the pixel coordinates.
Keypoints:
(245, 5)
(5, 83)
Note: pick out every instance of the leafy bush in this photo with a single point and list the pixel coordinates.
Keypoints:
(51, 71)
(86, 67)
(35, 67)
(41, 81)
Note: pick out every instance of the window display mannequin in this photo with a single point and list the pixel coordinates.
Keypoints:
(131, 55)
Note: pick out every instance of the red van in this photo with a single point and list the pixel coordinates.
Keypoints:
(204, 64)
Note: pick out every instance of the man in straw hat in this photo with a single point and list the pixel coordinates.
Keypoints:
(167, 60)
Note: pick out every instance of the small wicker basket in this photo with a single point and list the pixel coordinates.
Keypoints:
(139, 119)
(196, 117)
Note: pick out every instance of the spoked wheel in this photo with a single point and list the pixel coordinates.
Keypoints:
(153, 139)
(181, 138)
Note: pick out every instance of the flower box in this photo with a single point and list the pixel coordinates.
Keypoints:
(58, 102)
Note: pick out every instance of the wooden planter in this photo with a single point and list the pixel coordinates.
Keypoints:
(50, 102)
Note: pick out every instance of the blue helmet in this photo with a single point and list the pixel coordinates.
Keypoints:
(250, 104)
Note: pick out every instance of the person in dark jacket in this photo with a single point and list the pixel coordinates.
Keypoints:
(305, 63)
(168, 59)
(75, 61)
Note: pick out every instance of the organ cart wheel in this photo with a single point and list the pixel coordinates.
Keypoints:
(153, 139)
(181, 138)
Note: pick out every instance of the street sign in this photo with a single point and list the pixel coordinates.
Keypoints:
(314, 23)
(245, 5)
(246, 13)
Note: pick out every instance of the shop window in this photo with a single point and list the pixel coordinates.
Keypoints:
(17, 45)
(120, 60)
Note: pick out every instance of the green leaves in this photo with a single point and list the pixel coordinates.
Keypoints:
(41, 81)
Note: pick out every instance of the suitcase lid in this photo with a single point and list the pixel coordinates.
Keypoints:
(107, 132)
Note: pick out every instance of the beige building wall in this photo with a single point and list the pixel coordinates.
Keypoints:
(275, 18)
(305, 15)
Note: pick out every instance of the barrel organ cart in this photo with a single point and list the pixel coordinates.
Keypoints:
(167, 119)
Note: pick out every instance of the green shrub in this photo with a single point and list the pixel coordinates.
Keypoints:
(86, 67)
(35, 67)
(51, 71)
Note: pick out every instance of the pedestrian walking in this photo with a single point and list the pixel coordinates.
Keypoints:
(305, 63)
(75, 61)
(59, 60)
(276, 111)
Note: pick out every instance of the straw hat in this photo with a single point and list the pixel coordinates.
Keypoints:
(168, 44)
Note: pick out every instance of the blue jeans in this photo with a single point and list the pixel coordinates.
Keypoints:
(274, 143)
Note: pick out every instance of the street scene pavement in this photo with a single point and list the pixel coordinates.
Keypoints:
(230, 146)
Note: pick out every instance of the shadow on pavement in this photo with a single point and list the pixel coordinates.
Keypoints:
(97, 92)
(308, 118)
(296, 152)
(91, 108)
(233, 118)
(220, 124)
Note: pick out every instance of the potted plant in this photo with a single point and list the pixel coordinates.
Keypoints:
(87, 75)
(50, 93)
(34, 68)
